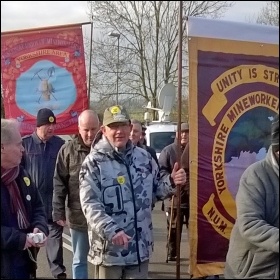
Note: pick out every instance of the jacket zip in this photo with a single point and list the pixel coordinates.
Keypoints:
(134, 206)
(135, 215)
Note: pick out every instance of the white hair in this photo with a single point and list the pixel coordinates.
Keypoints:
(7, 128)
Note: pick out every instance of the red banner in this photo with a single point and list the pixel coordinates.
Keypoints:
(44, 68)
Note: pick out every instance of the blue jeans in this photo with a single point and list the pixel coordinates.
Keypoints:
(80, 245)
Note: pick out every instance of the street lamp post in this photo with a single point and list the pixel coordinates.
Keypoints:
(117, 35)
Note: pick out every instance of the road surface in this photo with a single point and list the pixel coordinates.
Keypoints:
(158, 268)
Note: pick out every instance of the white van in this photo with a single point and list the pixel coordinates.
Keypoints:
(160, 134)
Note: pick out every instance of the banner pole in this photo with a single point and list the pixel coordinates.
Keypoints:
(90, 59)
(179, 152)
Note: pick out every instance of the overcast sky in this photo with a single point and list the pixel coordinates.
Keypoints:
(16, 15)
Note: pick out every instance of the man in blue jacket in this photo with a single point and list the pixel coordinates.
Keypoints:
(41, 149)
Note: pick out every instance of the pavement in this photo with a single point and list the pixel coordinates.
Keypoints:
(158, 268)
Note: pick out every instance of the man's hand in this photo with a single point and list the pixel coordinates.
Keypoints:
(28, 243)
(121, 239)
(178, 175)
(61, 223)
(43, 243)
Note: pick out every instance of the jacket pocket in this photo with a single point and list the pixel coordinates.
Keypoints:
(113, 199)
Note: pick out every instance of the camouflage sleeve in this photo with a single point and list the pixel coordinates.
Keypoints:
(91, 200)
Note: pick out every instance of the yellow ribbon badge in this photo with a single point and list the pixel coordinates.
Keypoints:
(121, 180)
(27, 181)
(115, 110)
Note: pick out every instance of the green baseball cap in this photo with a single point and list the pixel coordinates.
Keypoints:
(115, 114)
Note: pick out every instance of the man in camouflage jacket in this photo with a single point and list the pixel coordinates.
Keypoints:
(118, 182)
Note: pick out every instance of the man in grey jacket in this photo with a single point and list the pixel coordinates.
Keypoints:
(118, 182)
(254, 242)
(66, 186)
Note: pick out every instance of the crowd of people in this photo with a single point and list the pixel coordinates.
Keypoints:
(103, 185)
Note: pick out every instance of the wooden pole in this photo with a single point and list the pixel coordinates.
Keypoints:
(179, 152)
(170, 226)
(90, 59)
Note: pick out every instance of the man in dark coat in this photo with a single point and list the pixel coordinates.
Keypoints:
(41, 148)
(66, 188)
(22, 209)
(167, 159)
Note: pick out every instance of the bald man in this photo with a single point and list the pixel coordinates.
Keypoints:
(66, 183)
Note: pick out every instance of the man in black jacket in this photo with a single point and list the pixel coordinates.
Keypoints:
(22, 209)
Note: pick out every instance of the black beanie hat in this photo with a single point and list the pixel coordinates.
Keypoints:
(45, 116)
(275, 133)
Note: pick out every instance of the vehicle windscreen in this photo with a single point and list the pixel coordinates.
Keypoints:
(159, 140)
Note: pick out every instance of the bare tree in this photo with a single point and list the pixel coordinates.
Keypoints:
(148, 45)
(269, 14)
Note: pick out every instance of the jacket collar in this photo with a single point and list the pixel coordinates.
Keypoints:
(81, 144)
(102, 145)
(36, 138)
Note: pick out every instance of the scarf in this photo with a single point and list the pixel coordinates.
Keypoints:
(8, 177)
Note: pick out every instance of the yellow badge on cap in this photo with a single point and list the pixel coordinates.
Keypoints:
(115, 110)
(51, 119)
(27, 181)
(121, 180)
